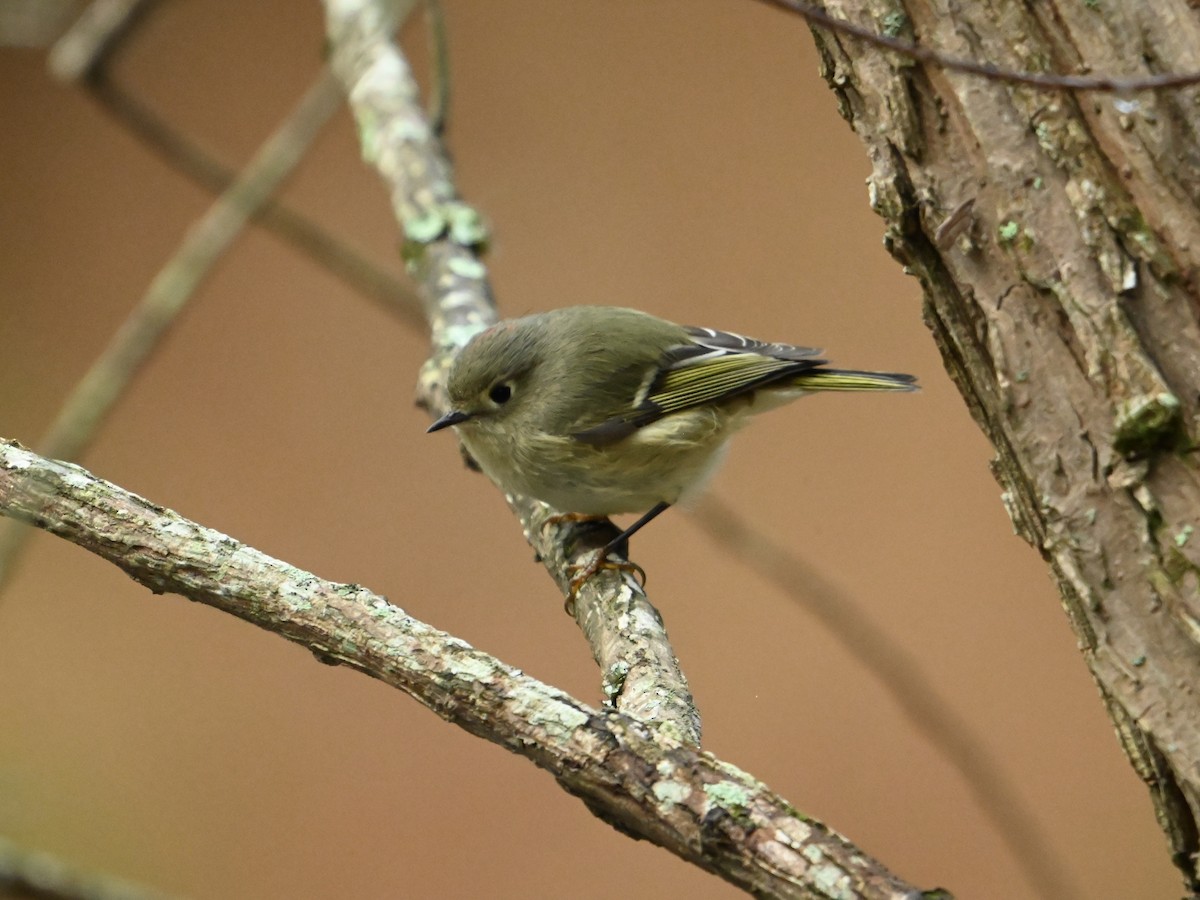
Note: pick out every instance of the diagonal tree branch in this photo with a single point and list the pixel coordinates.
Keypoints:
(102, 385)
(83, 55)
(638, 777)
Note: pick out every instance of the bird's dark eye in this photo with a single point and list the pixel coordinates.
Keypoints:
(500, 393)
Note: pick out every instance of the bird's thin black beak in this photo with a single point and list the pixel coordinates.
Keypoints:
(454, 417)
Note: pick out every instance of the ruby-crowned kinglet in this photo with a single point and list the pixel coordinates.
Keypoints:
(599, 410)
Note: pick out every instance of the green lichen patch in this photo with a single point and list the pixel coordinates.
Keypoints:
(894, 23)
(614, 679)
(670, 793)
(727, 795)
(1013, 235)
(467, 226)
(426, 226)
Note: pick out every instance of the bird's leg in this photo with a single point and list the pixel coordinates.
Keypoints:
(618, 544)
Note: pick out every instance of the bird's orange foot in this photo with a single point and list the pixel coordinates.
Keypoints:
(587, 570)
(564, 518)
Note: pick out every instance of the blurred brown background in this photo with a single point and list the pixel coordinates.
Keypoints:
(682, 157)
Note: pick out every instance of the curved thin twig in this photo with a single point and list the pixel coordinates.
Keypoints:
(439, 92)
(1046, 81)
(340, 259)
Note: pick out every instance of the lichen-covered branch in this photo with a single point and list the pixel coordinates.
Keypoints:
(1058, 240)
(443, 243)
(639, 777)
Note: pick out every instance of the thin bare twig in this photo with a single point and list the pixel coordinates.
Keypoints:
(902, 677)
(187, 157)
(638, 777)
(91, 40)
(37, 875)
(83, 54)
(439, 92)
(94, 396)
(1046, 81)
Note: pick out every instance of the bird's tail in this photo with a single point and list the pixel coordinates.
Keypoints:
(853, 380)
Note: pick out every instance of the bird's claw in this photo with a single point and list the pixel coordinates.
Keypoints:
(564, 518)
(587, 570)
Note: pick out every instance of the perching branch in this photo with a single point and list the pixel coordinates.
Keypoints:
(639, 777)
(443, 242)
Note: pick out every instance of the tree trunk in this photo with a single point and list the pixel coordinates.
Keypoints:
(1057, 237)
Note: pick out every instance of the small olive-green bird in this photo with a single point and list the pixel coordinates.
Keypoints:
(600, 410)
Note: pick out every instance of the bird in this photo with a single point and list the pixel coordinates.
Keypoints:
(603, 410)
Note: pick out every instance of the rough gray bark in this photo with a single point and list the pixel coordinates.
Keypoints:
(1057, 237)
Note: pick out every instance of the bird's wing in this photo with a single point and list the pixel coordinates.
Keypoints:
(706, 342)
(710, 367)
